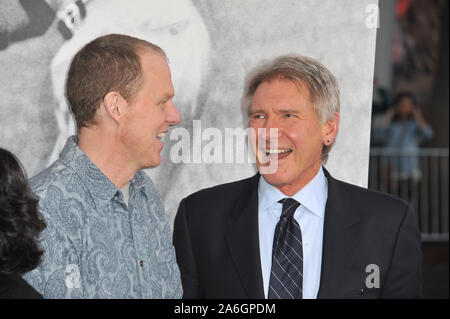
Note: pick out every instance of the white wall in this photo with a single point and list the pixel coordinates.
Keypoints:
(211, 44)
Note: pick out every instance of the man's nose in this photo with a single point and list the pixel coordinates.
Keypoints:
(272, 130)
(173, 117)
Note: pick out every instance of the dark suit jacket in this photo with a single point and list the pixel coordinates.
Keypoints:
(217, 244)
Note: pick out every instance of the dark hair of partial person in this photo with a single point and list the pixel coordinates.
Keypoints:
(404, 95)
(398, 98)
(108, 63)
(21, 223)
(301, 70)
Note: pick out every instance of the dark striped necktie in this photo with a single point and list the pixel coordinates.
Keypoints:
(286, 277)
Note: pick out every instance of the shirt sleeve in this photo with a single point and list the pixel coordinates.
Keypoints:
(426, 133)
(59, 274)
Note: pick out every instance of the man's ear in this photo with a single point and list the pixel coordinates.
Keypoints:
(330, 129)
(113, 105)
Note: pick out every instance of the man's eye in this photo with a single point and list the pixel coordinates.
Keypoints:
(288, 115)
(258, 116)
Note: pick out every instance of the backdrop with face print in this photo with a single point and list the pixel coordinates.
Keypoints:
(211, 46)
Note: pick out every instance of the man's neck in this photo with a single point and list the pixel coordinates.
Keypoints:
(101, 149)
(292, 188)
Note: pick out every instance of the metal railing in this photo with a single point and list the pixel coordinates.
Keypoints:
(419, 176)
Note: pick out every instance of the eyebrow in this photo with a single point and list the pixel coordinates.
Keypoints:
(167, 96)
(282, 110)
(252, 111)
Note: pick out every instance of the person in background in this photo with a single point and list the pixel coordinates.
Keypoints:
(404, 129)
(381, 98)
(20, 226)
(381, 102)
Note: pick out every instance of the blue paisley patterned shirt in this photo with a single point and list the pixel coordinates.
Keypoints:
(95, 245)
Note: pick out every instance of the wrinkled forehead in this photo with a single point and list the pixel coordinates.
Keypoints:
(300, 85)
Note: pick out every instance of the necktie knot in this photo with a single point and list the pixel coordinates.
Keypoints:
(289, 207)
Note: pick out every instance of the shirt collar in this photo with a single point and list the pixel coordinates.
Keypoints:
(93, 178)
(313, 196)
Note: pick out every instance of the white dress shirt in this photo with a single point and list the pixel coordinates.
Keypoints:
(309, 215)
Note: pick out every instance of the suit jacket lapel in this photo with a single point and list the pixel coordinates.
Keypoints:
(243, 240)
(339, 238)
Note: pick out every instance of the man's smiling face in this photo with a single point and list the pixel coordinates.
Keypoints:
(150, 114)
(286, 106)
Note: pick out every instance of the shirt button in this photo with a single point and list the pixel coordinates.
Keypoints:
(116, 194)
(141, 263)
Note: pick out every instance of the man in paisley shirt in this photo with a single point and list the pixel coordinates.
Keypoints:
(108, 235)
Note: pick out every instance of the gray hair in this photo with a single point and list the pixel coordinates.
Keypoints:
(321, 83)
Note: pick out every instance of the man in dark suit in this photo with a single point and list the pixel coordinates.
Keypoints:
(292, 230)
